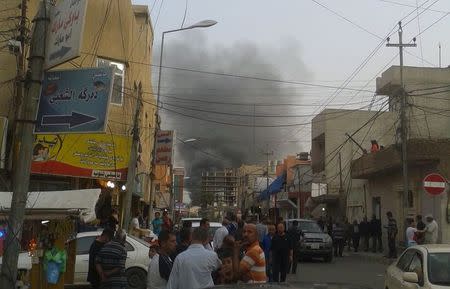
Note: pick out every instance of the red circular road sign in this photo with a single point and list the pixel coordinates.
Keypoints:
(434, 184)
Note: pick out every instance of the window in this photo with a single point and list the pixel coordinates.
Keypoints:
(416, 266)
(119, 79)
(405, 260)
(129, 247)
(84, 244)
(439, 268)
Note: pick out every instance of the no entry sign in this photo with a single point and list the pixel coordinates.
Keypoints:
(434, 184)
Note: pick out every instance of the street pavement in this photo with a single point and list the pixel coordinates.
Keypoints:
(352, 269)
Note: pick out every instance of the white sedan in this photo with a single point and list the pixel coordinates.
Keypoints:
(136, 264)
(424, 266)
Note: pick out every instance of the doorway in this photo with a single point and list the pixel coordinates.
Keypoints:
(376, 207)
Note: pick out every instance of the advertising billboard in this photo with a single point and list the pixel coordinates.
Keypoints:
(97, 156)
(164, 147)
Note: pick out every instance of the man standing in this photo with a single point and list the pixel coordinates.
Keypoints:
(157, 223)
(282, 254)
(410, 233)
(185, 241)
(338, 239)
(267, 244)
(167, 223)
(192, 269)
(392, 231)
(431, 230)
(294, 233)
(93, 277)
(420, 227)
(220, 234)
(135, 225)
(355, 235)
(204, 223)
(252, 268)
(261, 227)
(110, 262)
(375, 233)
(161, 264)
(364, 233)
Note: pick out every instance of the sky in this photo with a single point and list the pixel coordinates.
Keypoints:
(312, 46)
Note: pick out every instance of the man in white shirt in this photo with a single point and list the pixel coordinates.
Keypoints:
(220, 234)
(192, 268)
(410, 233)
(431, 230)
(161, 264)
(134, 226)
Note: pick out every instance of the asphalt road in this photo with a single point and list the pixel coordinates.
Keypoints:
(355, 270)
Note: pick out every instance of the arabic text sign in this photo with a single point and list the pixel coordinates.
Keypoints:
(74, 101)
(65, 31)
(101, 156)
(164, 147)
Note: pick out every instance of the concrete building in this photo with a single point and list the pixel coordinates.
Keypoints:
(116, 34)
(290, 202)
(178, 184)
(223, 185)
(333, 150)
(247, 188)
(428, 149)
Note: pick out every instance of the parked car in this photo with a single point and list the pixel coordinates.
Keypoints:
(424, 266)
(136, 264)
(315, 242)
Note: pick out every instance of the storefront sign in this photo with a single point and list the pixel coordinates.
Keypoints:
(97, 156)
(164, 147)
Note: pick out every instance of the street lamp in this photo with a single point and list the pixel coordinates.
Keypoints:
(201, 24)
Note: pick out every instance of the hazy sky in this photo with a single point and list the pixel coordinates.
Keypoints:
(294, 40)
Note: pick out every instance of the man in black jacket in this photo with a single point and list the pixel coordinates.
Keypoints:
(96, 246)
(364, 231)
(294, 233)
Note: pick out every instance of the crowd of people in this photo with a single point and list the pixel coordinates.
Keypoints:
(251, 252)
(368, 234)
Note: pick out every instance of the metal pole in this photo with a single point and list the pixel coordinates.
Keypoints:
(157, 127)
(132, 165)
(403, 117)
(404, 132)
(23, 150)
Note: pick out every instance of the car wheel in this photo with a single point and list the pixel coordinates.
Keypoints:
(137, 278)
(328, 258)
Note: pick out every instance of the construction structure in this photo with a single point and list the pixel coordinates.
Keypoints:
(223, 185)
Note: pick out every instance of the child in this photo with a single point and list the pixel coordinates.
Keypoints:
(225, 274)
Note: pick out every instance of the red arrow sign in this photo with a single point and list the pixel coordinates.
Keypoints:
(434, 184)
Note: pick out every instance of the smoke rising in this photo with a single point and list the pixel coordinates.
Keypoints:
(220, 146)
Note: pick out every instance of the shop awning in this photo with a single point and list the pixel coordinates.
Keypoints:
(275, 187)
(57, 203)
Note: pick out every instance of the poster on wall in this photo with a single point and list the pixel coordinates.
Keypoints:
(97, 156)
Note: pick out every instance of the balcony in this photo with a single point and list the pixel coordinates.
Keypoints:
(420, 152)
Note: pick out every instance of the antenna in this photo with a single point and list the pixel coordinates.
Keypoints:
(440, 55)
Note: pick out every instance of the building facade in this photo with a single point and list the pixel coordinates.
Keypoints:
(427, 149)
(116, 34)
(338, 137)
(223, 185)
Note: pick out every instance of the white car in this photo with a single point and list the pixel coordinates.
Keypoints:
(136, 264)
(423, 266)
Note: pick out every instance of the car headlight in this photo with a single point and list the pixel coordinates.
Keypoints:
(327, 239)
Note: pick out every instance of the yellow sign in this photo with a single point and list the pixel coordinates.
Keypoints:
(98, 156)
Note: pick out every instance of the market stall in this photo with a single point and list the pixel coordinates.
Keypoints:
(51, 219)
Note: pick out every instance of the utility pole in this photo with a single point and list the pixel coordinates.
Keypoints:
(132, 165)
(403, 108)
(267, 153)
(23, 145)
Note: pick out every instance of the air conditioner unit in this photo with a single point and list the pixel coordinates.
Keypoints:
(14, 46)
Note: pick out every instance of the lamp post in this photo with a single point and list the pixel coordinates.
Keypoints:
(201, 24)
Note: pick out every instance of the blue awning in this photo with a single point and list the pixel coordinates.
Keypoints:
(275, 187)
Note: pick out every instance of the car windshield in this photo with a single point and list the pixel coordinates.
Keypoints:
(439, 268)
(139, 240)
(310, 227)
